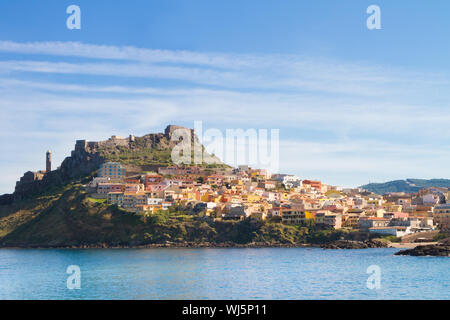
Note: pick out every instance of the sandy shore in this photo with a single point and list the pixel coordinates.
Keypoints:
(409, 245)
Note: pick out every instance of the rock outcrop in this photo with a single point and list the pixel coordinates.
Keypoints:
(6, 199)
(438, 250)
(350, 244)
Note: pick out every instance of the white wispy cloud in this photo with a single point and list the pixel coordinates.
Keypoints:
(129, 53)
(344, 122)
(279, 72)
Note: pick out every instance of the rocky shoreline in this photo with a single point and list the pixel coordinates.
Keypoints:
(165, 245)
(339, 244)
(351, 244)
(436, 250)
(441, 249)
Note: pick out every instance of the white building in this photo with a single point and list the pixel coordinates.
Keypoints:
(393, 231)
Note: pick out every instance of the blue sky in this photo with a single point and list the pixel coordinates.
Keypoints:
(353, 105)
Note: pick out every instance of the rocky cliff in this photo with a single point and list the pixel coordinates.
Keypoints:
(138, 153)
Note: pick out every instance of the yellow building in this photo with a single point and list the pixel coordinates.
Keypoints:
(391, 207)
(295, 216)
(251, 197)
(309, 215)
(207, 197)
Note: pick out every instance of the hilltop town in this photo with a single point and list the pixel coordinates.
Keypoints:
(247, 193)
(135, 176)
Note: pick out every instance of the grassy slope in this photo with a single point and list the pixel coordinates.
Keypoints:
(145, 155)
(19, 213)
(73, 219)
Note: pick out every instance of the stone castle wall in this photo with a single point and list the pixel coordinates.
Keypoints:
(83, 160)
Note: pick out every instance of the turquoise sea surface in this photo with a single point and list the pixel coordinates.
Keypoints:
(228, 273)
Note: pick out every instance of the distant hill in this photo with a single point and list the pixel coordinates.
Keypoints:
(408, 185)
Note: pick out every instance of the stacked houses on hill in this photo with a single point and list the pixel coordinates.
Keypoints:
(235, 194)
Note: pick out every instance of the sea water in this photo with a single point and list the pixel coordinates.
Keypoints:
(223, 273)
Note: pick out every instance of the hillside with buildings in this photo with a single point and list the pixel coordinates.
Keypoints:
(136, 154)
(127, 192)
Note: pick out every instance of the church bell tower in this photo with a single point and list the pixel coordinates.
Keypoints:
(48, 161)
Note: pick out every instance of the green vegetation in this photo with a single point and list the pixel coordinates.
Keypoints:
(147, 151)
(441, 236)
(392, 238)
(139, 157)
(97, 200)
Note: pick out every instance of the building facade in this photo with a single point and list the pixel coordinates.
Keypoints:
(112, 170)
(441, 216)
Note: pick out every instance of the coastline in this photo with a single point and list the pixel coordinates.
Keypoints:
(339, 244)
(188, 245)
(403, 248)
(167, 245)
(207, 245)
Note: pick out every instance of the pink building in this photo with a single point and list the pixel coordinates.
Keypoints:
(396, 215)
(105, 188)
(156, 187)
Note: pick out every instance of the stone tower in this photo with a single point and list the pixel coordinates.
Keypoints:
(48, 161)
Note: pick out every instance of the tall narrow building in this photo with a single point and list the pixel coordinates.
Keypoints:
(48, 161)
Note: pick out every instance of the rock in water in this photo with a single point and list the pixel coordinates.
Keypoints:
(350, 244)
(438, 250)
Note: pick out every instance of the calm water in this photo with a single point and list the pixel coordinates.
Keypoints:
(221, 274)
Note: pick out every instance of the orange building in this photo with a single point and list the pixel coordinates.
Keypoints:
(313, 184)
